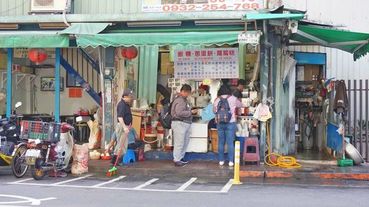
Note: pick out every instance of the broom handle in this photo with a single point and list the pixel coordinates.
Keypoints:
(120, 151)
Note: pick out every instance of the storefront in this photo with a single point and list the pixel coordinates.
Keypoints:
(164, 58)
(162, 62)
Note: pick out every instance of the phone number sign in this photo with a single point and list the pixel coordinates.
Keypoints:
(200, 5)
(212, 63)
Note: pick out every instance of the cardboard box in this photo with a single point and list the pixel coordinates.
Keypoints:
(310, 71)
(166, 66)
(3, 61)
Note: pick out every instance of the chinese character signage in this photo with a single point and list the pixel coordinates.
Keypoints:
(200, 5)
(251, 37)
(214, 63)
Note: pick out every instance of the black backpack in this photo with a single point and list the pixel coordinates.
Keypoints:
(166, 117)
(223, 114)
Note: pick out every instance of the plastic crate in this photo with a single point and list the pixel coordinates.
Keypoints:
(44, 131)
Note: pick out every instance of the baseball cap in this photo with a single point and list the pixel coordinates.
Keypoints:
(127, 92)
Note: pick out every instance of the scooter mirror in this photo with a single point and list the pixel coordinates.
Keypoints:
(18, 104)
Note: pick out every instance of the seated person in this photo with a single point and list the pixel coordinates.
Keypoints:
(116, 144)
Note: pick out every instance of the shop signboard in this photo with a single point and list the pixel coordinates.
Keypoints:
(251, 37)
(200, 5)
(208, 63)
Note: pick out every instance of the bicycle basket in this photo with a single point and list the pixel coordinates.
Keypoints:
(44, 131)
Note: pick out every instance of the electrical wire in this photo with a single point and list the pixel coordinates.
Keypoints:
(277, 160)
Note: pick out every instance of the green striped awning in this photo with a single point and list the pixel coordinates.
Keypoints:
(85, 28)
(149, 38)
(33, 39)
(352, 42)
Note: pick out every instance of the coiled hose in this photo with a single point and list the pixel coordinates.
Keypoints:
(277, 160)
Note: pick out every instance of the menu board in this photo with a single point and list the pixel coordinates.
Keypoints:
(212, 63)
(200, 5)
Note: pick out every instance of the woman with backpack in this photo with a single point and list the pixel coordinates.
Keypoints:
(225, 117)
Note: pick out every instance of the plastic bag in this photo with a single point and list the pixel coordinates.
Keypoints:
(207, 113)
(80, 159)
(94, 140)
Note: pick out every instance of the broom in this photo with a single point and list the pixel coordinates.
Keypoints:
(113, 171)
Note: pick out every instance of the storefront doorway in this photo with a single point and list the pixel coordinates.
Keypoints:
(309, 106)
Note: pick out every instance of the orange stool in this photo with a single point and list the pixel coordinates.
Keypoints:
(251, 150)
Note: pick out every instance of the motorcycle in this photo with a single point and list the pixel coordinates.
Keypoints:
(12, 151)
(52, 155)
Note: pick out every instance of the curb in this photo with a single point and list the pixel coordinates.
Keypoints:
(305, 175)
(343, 176)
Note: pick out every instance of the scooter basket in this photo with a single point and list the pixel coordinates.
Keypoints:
(44, 131)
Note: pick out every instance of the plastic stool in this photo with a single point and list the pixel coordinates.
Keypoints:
(251, 150)
(129, 157)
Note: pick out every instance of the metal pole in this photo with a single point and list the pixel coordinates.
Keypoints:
(57, 86)
(349, 111)
(9, 83)
(361, 116)
(102, 89)
(366, 119)
(355, 116)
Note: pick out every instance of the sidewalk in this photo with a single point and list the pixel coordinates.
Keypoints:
(212, 171)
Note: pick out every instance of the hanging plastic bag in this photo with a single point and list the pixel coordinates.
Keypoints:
(207, 113)
(80, 159)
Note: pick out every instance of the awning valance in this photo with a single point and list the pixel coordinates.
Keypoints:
(33, 39)
(85, 28)
(352, 42)
(266, 16)
(160, 39)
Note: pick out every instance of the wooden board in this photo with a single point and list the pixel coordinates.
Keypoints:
(136, 122)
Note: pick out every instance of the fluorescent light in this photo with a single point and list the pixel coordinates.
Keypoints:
(218, 22)
(9, 26)
(52, 25)
(155, 24)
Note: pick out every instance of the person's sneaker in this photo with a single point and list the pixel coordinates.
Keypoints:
(230, 164)
(184, 161)
(179, 164)
(221, 163)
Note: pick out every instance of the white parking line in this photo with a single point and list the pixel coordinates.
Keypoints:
(147, 183)
(108, 182)
(187, 184)
(23, 199)
(124, 189)
(227, 186)
(71, 180)
(21, 181)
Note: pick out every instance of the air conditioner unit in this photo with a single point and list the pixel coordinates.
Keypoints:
(50, 6)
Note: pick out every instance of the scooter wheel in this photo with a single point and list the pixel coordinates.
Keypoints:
(37, 172)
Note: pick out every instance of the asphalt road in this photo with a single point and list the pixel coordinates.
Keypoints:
(128, 191)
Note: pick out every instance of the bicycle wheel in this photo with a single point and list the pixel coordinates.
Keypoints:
(18, 165)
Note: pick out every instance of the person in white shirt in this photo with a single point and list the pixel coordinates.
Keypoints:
(202, 96)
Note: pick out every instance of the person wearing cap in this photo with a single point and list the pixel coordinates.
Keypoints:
(202, 96)
(123, 127)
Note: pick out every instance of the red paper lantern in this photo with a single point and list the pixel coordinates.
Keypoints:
(129, 52)
(37, 55)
